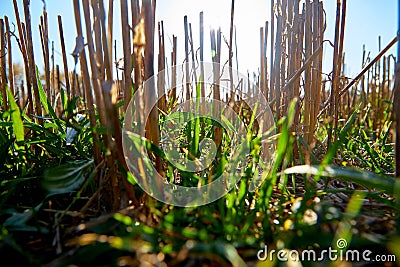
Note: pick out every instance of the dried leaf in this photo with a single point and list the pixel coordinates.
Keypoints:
(139, 38)
(79, 45)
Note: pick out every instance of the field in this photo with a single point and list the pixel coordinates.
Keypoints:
(144, 161)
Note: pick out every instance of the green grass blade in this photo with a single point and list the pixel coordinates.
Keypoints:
(42, 94)
(196, 133)
(344, 233)
(67, 177)
(43, 98)
(17, 124)
(364, 178)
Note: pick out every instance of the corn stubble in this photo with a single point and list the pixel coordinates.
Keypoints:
(292, 70)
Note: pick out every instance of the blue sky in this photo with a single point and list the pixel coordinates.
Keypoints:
(366, 20)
